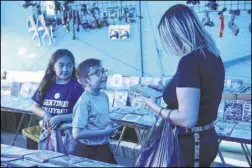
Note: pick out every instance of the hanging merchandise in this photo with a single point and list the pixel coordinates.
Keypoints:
(32, 27)
(130, 14)
(212, 5)
(78, 21)
(113, 15)
(48, 15)
(41, 24)
(206, 20)
(49, 7)
(85, 19)
(192, 2)
(222, 21)
(231, 24)
(74, 22)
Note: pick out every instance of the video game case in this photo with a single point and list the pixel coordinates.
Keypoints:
(67, 160)
(22, 163)
(150, 81)
(15, 88)
(146, 80)
(146, 91)
(120, 99)
(116, 116)
(246, 113)
(137, 101)
(134, 80)
(43, 156)
(132, 118)
(126, 82)
(117, 81)
(126, 110)
(15, 152)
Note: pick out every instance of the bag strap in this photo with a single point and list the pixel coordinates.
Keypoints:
(150, 131)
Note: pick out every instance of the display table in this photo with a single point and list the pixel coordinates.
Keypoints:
(139, 119)
(12, 156)
(16, 104)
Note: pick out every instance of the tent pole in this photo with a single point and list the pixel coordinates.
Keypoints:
(141, 43)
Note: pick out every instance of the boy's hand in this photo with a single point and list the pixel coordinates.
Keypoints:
(112, 129)
(53, 122)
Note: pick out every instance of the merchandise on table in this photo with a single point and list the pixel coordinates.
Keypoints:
(120, 98)
(67, 160)
(15, 152)
(22, 163)
(246, 113)
(116, 116)
(233, 110)
(131, 117)
(146, 91)
(224, 128)
(242, 130)
(43, 156)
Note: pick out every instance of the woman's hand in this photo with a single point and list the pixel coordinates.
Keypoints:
(54, 122)
(151, 103)
(158, 87)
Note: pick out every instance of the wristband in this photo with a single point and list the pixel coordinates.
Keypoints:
(161, 110)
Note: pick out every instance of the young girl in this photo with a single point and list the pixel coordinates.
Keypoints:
(57, 94)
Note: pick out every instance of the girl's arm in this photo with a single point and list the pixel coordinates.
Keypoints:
(79, 133)
(56, 120)
(37, 109)
(64, 117)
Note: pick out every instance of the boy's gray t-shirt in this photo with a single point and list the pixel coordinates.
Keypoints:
(92, 113)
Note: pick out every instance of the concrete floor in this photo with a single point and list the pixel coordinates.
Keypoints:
(231, 159)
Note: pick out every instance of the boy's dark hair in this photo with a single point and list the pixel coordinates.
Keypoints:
(83, 68)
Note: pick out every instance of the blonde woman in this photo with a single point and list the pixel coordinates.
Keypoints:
(194, 93)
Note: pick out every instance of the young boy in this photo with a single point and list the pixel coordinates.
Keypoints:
(91, 123)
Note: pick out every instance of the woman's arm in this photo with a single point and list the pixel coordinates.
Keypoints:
(187, 113)
(79, 133)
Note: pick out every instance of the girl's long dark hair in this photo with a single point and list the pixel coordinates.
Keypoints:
(50, 76)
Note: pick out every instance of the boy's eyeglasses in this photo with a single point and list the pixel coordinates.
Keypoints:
(99, 72)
